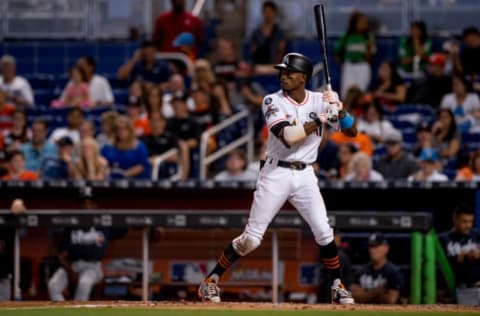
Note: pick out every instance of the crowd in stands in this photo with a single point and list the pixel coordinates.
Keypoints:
(418, 114)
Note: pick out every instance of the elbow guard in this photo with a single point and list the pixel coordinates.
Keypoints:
(294, 134)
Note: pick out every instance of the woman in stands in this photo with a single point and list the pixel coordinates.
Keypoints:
(462, 101)
(154, 102)
(345, 155)
(390, 90)
(107, 136)
(446, 135)
(127, 157)
(76, 92)
(204, 77)
(415, 48)
(373, 124)
(19, 133)
(471, 171)
(90, 165)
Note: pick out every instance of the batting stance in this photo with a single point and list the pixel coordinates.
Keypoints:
(296, 118)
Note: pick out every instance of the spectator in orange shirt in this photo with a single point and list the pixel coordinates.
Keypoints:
(470, 171)
(17, 169)
(171, 24)
(6, 112)
(361, 141)
(136, 113)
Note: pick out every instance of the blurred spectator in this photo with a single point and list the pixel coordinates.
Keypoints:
(154, 102)
(424, 137)
(390, 89)
(74, 121)
(446, 135)
(87, 129)
(17, 88)
(19, 133)
(396, 163)
(6, 112)
(362, 141)
(137, 115)
(327, 162)
(354, 51)
(356, 101)
(227, 62)
(468, 64)
(38, 148)
(345, 155)
(145, 67)
(204, 76)
(63, 166)
(76, 92)
(160, 139)
(429, 165)
(471, 171)
(462, 247)
(373, 124)
(99, 87)
(221, 102)
(379, 281)
(236, 168)
(176, 85)
(127, 157)
(17, 169)
(170, 24)
(463, 101)
(185, 43)
(80, 256)
(414, 50)
(432, 88)
(360, 169)
(186, 129)
(136, 92)
(90, 165)
(108, 128)
(451, 50)
(268, 41)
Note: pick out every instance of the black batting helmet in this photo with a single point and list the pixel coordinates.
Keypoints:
(296, 62)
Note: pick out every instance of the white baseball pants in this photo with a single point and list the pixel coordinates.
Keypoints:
(89, 274)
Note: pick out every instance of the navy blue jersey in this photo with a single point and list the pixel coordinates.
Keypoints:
(389, 277)
(88, 243)
(159, 73)
(454, 244)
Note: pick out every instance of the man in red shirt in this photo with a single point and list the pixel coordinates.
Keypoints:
(170, 24)
(6, 112)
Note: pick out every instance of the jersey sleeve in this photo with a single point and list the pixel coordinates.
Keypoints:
(272, 111)
(395, 280)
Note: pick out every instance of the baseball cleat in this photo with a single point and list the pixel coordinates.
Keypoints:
(340, 295)
(209, 290)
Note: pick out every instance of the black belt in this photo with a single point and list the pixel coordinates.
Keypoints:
(295, 165)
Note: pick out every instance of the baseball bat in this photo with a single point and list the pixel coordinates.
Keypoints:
(321, 25)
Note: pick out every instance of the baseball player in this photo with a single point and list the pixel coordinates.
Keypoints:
(296, 118)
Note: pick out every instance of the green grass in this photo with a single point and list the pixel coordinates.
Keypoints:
(159, 312)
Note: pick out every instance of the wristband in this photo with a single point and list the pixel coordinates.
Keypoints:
(347, 121)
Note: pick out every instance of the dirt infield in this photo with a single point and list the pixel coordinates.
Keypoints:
(239, 306)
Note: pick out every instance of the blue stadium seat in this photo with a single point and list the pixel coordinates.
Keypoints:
(120, 96)
(41, 81)
(423, 109)
(44, 96)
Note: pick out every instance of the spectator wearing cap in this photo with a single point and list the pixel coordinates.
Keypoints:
(61, 167)
(361, 169)
(268, 41)
(236, 168)
(462, 101)
(169, 25)
(424, 137)
(379, 281)
(373, 124)
(396, 163)
(429, 166)
(185, 128)
(127, 157)
(17, 88)
(75, 119)
(185, 42)
(39, 148)
(99, 88)
(145, 67)
(16, 170)
(446, 135)
(432, 88)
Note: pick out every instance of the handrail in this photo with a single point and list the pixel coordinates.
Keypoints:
(198, 7)
(157, 161)
(182, 57)
(248, 139)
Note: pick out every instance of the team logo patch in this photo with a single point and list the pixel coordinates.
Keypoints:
(271, 110)
(268, 101)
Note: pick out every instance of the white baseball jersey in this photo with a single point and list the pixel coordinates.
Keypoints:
(278, 107)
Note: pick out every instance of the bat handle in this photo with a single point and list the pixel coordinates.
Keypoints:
(328, 87)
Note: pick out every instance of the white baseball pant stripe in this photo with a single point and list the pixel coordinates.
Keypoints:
(275, 186)
(89, 274)
(355, 74)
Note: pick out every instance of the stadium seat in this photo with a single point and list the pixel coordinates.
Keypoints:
(120, 96)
